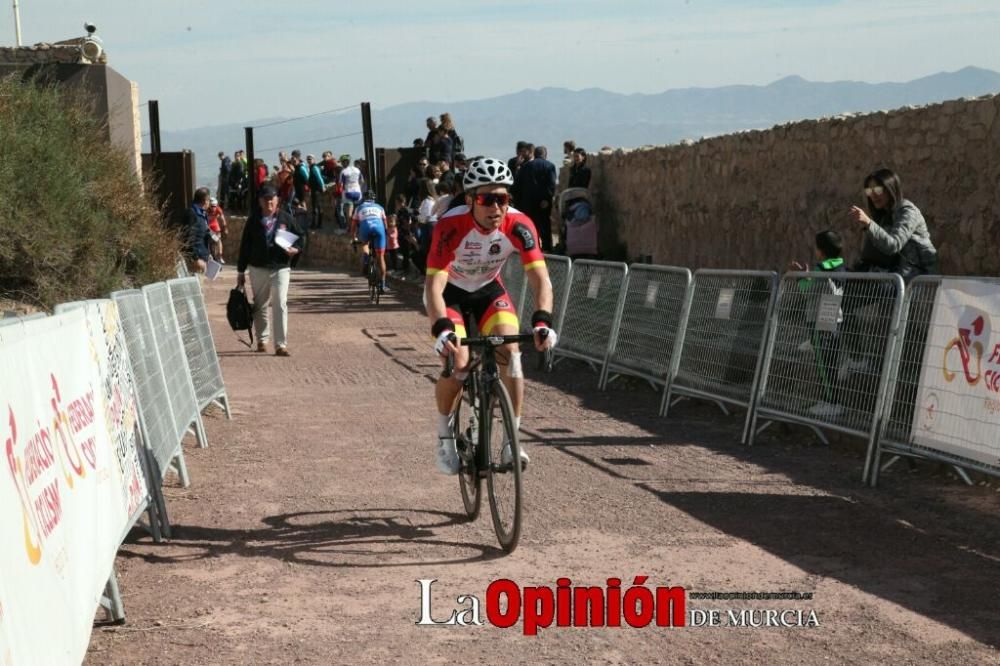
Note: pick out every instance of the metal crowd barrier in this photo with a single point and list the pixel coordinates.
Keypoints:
(648, 340)
(592, 313)
(199, 347)
(181, 267)
(187, 416)
(902, 410)
(9, 321)
(559, 274)
(559, 268)
(724, 342)
(513, 279)
(120, 359)
(827, 359)
(156, 416)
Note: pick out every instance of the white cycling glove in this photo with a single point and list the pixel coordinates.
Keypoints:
(443, 338)
(547, 335)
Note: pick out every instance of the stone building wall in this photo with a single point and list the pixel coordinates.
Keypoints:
(754, 200)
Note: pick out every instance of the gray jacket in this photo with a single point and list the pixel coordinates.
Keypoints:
(905, 238)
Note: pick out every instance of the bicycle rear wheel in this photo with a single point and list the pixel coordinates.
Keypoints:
(503, 480)
(466, 440)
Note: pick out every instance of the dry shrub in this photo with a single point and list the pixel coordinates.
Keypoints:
(75, 220)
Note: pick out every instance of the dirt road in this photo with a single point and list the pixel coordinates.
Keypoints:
(315, 511)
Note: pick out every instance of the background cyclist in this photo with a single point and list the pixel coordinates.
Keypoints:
(352, 183)
(368, 227)
(469, 247)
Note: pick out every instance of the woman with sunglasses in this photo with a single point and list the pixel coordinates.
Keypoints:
(469, 248)
(896, 235)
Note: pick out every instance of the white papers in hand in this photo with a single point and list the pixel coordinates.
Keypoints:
(284, 238)
(212, 269)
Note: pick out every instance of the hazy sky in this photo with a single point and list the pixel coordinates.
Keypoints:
(231, 61)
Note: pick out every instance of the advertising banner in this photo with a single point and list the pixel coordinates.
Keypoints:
(958, 401)
(62, 507)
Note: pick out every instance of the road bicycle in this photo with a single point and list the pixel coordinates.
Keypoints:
(484, 426)
(374, 274)
(373, 271)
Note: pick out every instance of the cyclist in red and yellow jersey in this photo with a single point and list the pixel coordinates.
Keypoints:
(469, 247)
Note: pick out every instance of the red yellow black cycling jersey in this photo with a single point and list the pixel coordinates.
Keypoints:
(473, 257)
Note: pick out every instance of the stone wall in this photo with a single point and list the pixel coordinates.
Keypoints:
(754, 200)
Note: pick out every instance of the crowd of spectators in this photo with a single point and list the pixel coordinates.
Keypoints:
(318, 186)
(325, 190)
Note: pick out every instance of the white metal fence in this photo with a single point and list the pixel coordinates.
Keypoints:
(652, 325)
(827, 359)
(593, 310)
(945, 376)
(724, 342)
(176, 372)
(199, 347)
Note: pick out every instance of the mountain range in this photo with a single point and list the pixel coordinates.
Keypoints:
(592, 117)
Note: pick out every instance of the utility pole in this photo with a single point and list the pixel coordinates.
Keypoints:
(17, 23)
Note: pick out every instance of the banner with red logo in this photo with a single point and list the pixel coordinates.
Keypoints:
(62, 507)
(958, 401)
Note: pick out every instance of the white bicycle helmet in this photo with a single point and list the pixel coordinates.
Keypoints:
(487, 171)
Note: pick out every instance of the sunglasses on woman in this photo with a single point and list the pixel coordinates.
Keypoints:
(499, 198)
(876, 190)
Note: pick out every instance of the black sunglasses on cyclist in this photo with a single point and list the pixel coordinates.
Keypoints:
(499, 198)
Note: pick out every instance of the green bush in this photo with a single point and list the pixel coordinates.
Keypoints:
(75, 221)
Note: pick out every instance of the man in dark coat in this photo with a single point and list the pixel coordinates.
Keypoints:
(267, 250)
(533, 190)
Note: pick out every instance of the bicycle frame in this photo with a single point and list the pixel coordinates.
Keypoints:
(486, 373)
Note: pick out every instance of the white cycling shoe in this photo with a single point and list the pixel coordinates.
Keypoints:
(447, 456)
(506, 458)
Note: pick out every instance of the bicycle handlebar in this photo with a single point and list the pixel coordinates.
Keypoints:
(483, 342)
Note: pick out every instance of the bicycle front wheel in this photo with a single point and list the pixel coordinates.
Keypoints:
(467, 440)
(503, 479)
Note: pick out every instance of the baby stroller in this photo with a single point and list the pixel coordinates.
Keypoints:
(579, 235)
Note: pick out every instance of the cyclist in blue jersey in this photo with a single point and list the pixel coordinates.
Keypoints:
(369, 227)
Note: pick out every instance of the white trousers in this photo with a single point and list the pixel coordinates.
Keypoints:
(264, 281)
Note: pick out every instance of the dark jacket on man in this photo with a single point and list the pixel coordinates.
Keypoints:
(535, 183)
(257, 246)
(195, 233)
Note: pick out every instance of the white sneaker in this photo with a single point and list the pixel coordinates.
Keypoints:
(506, 458)
(826, 409)
(447, 456)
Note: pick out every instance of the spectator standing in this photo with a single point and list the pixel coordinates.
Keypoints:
(440, 148)
(225, 166)
(284, 184)
(260, 172)
(825, 345)
(521, 155)
(431, 128)
(569, 147)
(392, 242)
(269, 265)
(196, 233)
(218, 227)
(237, 181)
(533, 190)
(316, 187)
(579, 172)
(300, 176)
(448, 125)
